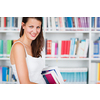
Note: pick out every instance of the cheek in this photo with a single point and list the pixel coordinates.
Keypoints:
(38, 31)
(29, 30)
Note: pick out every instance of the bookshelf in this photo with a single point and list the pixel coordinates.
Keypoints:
(9, 32)
(90, 33)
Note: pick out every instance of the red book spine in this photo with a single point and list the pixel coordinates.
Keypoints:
(68, 47)
(4, 21)
(62, 47)
(50, 45)
(79, 22)
(47, 47)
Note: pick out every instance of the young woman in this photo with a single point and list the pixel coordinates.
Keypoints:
(25, 57)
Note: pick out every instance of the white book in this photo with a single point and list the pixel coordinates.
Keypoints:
(75, 46)
(19, 22)
(0, 74)
(93, 72)
(10, 74)
(95, 23)
(48, 23)
(82, 48)
(59, 48)
(2, 22)
(53, 49)
(86, 47)
(92, 48)
(78, 51)
(53, 24)
(75, 19)
(45, 23)
(56, 23)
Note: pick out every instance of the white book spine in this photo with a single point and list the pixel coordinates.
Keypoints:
(53, 24)
(75, 46)
(19, 22)
(2, 22)
(59, 48)
(78, 51)
(75, 19)
(93, 72)
(53, 49)
(92, 48)
(48, 23)
(86, 47)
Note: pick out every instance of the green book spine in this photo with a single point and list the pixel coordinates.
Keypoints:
(1, 48)
(9, 45)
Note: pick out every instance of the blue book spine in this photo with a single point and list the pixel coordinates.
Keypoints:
(12, 21)
(4, 73)
(65, 22)
(70, 22)
(72, 46)
(96, 49)
(85, 77)
(91, 21)
(97, 21)
(56, 23)
(93, 18)
(46, 79)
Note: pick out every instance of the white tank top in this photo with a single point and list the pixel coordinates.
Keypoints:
(34, 65)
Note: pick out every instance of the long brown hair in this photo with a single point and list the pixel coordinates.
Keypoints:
(37, 44)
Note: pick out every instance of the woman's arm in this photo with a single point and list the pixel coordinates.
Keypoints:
(20, 63)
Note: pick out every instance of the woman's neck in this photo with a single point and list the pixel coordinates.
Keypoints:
(26, 41)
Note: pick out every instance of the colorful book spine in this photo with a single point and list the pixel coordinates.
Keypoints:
(1, 48)
(4, 21)
(9, 45)
(4, 73)
(96, 49)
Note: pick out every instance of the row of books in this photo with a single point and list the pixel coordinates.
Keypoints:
(74, 75)
(67, 48)
(95, 48)
(95, 22)
(55, 75)
(6, 74)
(95, 73)
(10, 22)
(5, 47)
(60, 23)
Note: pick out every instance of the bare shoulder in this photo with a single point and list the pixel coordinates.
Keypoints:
(18, 48)
(18, 51)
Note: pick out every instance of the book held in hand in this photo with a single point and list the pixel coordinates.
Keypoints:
(52, 75)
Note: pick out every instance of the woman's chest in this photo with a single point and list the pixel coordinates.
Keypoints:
(35, 64)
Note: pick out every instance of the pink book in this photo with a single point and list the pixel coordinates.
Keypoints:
(55, 48)
(79, 22)
(50, 78)
(61, 23)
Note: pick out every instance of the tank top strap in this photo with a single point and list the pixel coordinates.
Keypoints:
(23, 45)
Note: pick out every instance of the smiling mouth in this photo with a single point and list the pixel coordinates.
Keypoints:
(33, 35)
